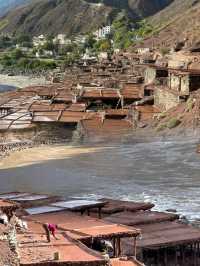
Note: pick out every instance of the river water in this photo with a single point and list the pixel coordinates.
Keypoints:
(165, 172)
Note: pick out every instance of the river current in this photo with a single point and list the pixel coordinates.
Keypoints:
(165, 172)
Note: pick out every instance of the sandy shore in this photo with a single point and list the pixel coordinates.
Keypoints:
(43, 153)
(22, 81)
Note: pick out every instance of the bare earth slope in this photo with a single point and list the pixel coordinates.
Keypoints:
(180, 21)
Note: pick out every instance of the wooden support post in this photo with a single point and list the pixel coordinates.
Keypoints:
(122, 102)
(176, 258)
(119, 246)
(135, 247)
(195, 254)
(183, 255)
(142, 255)
(114, 247)
(165, 257)
(99, 212)
(157, 257)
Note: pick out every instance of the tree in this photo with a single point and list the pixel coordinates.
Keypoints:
(49, 46)
(122, 33)
(5, 42)
(143, 28)
(103, 46)
(17, 54)
(90, 41)
(23, 40)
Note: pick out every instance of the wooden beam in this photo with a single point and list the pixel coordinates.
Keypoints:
(135, 247)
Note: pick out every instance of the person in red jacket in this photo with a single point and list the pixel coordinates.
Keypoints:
(50, 229)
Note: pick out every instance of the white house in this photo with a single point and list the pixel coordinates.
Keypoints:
(61, 39)
(39, 40)
(143, 50)
(103, 56)
(80, 39)
(101, 33)
(45, 53)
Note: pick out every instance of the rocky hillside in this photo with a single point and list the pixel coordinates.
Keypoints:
(178, 22)
(74, 16)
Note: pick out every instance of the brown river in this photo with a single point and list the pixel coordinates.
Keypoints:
(165, 172)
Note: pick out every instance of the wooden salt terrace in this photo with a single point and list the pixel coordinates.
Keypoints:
(61, 116)
(105, 128)
(78, 99)
(28, 200)
(141, 217)
(35, 250)
(165, 240)
(125, 262)
(116, 206)
(86, 229)
(81, 206)
(168, 243)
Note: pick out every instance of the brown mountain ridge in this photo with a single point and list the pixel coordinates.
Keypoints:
(74, 16)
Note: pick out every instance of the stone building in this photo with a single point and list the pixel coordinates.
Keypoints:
(175, 83)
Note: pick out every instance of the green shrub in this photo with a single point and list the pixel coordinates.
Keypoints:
(173, 122)
(165, 51)
(161, 127)
(162, 115)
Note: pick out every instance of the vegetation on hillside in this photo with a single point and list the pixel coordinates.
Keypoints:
(16, 59)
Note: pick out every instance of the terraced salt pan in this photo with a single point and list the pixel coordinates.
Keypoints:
(43, 209)
(75, 203)
(13, 195)
(30, 197)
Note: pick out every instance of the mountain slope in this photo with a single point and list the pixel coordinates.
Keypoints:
(6, 5)
(179, 22)
(73, 16)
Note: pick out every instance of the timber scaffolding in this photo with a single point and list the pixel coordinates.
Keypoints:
(162, 238)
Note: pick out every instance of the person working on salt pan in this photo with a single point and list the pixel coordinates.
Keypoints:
(50, 229)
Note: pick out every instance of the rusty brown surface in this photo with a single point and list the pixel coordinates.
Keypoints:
(141, 217)
(114, 206)
(84, 227)
(168, 234)
(125, 262)
(34, 249)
